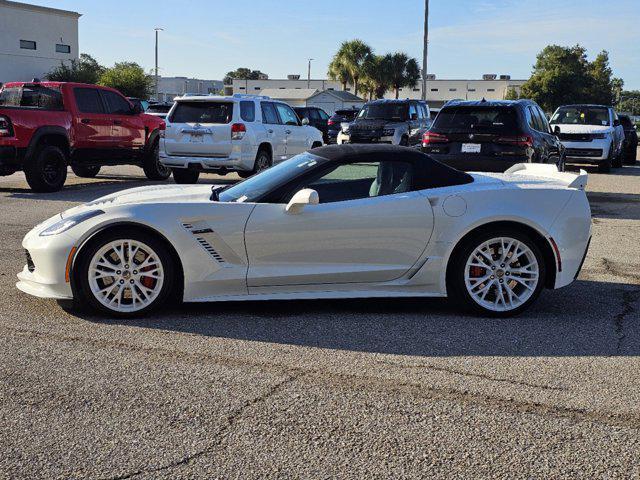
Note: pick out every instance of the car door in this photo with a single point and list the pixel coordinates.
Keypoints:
(127, 127)
(552, 144)
(541, 153)
(618, 130)
(365, 229)
(415, 126)
(295, 132)
(274, 131)
(320, 121)
(93, 138)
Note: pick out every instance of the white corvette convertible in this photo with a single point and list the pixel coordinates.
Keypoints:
(335, 222)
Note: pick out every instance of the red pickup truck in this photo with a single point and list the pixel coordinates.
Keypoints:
(47, 126)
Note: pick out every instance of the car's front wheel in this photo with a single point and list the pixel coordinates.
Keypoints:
(125, 273)
(497, 273)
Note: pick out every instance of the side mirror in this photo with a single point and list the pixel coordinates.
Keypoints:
(556, 130)
(137, 109)
(304, 197)
(305, 121)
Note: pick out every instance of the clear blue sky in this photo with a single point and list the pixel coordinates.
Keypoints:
(206, 39)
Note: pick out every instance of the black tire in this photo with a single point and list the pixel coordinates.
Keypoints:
(183, 176)
(456, 285)
(85, 171)
(263, 161)
(631, 156)
(153, 169)
(243, 174)
(316, 145)
(605, 165)
(82, 291)
(46, 170)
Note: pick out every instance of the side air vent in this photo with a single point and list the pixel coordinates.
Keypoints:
(201, 229)
(210, 250)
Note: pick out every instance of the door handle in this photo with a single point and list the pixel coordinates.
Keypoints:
(287, 132)
(86, 120)
(269, 131)
(117, 122)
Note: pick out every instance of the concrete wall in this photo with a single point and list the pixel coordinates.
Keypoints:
(254, 87)
(47, 27)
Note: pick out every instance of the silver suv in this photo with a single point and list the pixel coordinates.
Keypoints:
(242, 133)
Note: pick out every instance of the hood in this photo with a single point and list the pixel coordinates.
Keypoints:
(583, 128)
(150, 194)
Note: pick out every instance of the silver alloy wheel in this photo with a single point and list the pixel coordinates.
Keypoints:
(501, 274)
(125, 275)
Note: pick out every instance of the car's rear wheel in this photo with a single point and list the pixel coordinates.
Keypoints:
(497, 273)
(153, 168)
(184, 176)
(85, 171)
(46, 170)
(125, 274)
(263, 161)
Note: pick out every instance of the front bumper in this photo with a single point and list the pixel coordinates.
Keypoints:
(594, 151)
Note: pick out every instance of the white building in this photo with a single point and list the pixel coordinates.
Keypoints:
(34, 40)
(332, 100)
(171, 87)
(491, 87)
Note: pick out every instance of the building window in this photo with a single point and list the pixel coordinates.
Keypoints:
(27, 44)
(241, 88)
(434, 89)
(60, 48)
(491, 89)
(453, 89)
(472, 89)
(256, 88)
(416, 89)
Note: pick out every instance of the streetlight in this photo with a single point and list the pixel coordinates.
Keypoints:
(424, 49)
(309, 74)
(157, 29)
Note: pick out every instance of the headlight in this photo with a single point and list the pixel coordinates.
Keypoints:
(599, 136)
(66, 223)
(388, 132)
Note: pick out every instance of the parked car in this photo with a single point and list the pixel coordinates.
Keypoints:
(243, 133)
(338, 122)
(397, 122)
(630, 139)
(46, 126)
(316, 117)
(591, 134)
(336, 222)
(492, 136)
(159, 109)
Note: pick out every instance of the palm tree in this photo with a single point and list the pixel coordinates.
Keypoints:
(377, 75)
(338, 72)
(353, 55)
(405, 71)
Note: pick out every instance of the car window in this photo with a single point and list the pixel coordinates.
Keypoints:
(313, 114)
(202, 112)
(424, 109)
(32, 96)
(482, 119)
(392, 111)
(116, 105)
(287, 115)
(247, 111)
(533, 119)
(413, 111)
(543, 120)
(269, 114)
(581, 115)
(88, 100)
(323, 114)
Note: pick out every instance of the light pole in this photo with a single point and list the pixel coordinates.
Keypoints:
(424, 49)
(157, 29)
(309, 74)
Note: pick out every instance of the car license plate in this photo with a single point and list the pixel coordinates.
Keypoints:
(196, 138)
(470, 148)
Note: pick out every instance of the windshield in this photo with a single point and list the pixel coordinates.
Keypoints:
(496, 120)
(581, 116)
(253, 188)
(385, 111)
(158, 108)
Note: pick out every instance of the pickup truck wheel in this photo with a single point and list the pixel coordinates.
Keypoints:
(153, 169)
(46, 170)
(184, 176)
(85, 172)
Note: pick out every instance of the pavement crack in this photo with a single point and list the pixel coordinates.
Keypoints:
(228, 423)
(629, 297)
(481, 376)
(615, 269)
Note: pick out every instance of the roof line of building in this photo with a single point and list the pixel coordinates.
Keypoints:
(38, 8)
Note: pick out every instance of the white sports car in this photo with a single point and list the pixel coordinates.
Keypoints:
(335, 222)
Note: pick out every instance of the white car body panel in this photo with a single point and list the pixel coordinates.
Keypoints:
(388, 246)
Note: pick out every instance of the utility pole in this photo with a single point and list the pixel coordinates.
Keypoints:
(424, 49)
(309, 74)
(157, 29)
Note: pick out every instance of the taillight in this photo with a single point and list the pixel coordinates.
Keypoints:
(237, 131)
(162, 129)
(519, 141)
(6, 130)
(330, 122)
(432, 137)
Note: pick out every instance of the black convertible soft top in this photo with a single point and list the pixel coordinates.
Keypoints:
(432, 174)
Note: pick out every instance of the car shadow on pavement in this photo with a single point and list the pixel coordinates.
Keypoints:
(614, 205)
(585, 319)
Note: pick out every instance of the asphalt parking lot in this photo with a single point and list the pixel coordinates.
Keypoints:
(349, 389)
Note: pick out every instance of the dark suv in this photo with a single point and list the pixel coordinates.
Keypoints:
(317, 118)
(630, 139)
(492, 136)
(398, 122)
(334, 125)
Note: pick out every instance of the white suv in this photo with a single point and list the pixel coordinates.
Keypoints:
(242, 133)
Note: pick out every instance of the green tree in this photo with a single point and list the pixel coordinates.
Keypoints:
(377, 76)
(353, 55)
(129, 78)
(338, 72)
(629, 102)
(512, 94)
(404, 70)
(243, 73)
(84, 70)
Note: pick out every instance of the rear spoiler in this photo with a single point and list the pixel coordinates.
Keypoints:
(551, 172)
